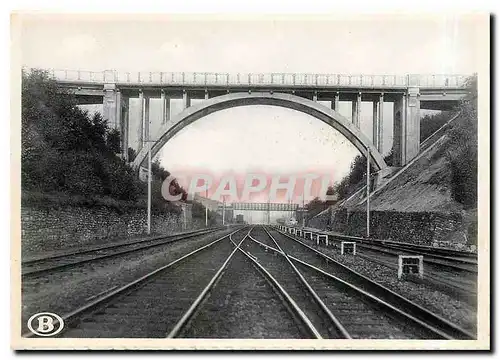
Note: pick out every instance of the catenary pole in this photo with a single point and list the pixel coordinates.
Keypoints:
(367, 192)
(149, 187)
(206, 207)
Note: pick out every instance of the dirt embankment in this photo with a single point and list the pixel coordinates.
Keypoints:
(422, 190)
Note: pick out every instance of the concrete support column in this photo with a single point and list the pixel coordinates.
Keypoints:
(124, 108)
(375, 124)
(356, 109)
(412, 124)
(186, 101)
(109, 106)
(140, 128)
(206, 94)
(118, 109)
(399, 126)
(165, 107)
(380, 132)
(147, 123)
(335, 102)
(378, 123)
(315, 96)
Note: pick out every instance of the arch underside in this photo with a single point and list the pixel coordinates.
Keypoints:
(309, 107)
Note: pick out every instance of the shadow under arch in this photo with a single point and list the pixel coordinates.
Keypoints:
(306, 106)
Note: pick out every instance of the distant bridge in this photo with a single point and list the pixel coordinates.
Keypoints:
(260, 206)
(298, 91)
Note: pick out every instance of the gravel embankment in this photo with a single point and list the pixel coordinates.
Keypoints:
(243, 305)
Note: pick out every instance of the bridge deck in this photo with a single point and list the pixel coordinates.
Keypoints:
(282, 80)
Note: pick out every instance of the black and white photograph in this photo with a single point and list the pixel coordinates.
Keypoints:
(251, 182)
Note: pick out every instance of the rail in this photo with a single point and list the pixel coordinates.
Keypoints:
(35, 267)
(452, 330)
(338, 326)
(362, 292)
(108, 297)
(261, 79)
(197, 302)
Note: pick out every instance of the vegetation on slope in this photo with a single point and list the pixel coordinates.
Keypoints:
(462, 152)
(431, 123)
(70, 157)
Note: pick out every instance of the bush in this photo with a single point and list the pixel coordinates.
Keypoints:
(431, 123)
(462, 154)
(65, 150)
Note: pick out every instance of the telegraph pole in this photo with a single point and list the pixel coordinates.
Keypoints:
(147, 136)
(206, 206)
(268, 212)
(303, 210)
(223, 210)
(149, 187)
(185, 217)
(367, 192)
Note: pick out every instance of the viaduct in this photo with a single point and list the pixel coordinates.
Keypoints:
(298, 91)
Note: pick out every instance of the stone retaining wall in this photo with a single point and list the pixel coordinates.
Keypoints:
(425, 228)
(47, 229)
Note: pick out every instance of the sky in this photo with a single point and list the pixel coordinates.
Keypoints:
(268, 138)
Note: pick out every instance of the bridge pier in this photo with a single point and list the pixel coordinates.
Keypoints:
(412, 124)
(186, 100)
(356, 110)
(165, 107)
(406, 143)
(124, 129)
(140, 127)
(378, 123)
(109, 106)
(335, 102)
(146, 121)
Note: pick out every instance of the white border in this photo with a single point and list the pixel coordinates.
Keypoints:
(187, 6)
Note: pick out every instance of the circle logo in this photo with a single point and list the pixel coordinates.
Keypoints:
(45, 324)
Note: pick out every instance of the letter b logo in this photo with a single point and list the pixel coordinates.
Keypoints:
(45, 324)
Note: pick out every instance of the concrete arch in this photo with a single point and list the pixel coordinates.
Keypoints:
(331, 117)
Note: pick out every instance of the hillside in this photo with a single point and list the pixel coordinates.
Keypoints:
(430, 201)
(423, 186)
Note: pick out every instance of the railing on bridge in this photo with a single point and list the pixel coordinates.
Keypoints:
(261, 79)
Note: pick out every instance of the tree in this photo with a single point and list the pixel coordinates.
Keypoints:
(113, 141)
(354, 180)
(64, 149)
(431, 123)
(131, 154)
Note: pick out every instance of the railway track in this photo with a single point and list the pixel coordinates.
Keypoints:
(451, 275)
(460, 284)
(197, 295)
(301, 252)
(437, 257)
(245, 302)
(42, 265)
(143, 307)
(431, 250)
(326, 325)
(302, 320)
(465, 264)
